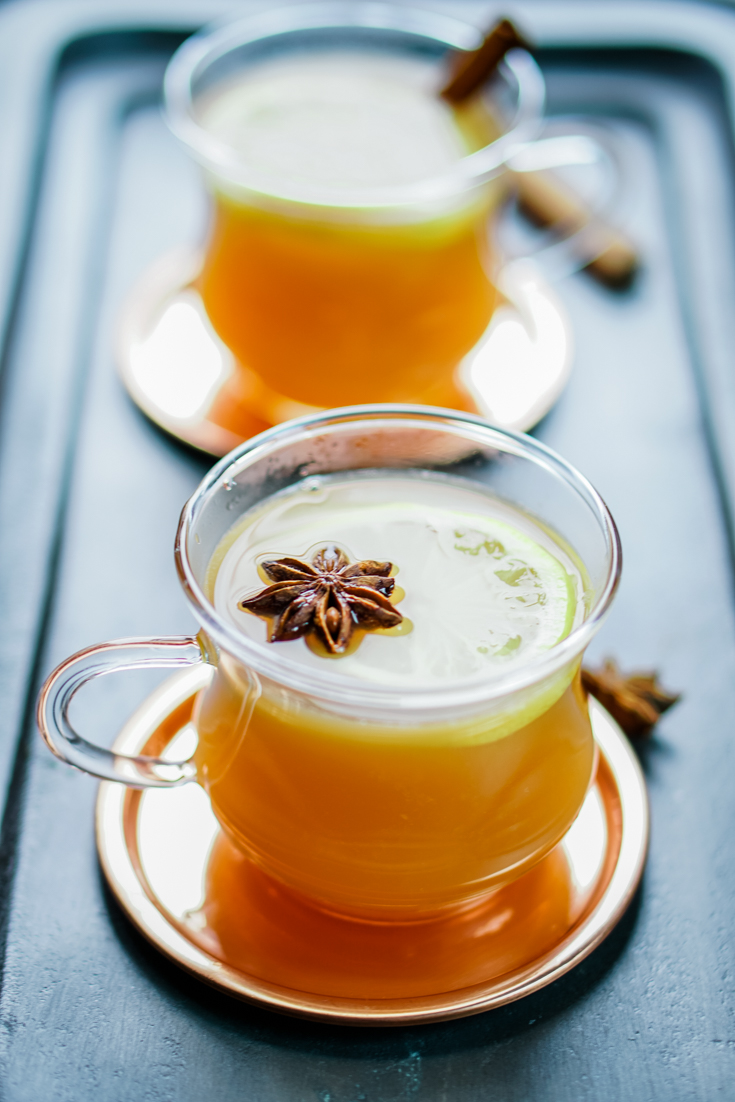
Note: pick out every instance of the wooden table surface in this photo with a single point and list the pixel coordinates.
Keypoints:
(92, 189)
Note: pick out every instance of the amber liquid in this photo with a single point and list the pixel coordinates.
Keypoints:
(389, 822)
(341, 305)
(335, 315)
(255, 924)
(400, 813)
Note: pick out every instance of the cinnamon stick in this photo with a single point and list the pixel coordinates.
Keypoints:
(543, 198)
(470, 69)
(546, 202)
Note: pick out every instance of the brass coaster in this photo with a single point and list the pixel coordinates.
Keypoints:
(161, 850)
(187, 381)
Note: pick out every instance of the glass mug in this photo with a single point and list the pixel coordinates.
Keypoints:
(364, 291)
(376, 800)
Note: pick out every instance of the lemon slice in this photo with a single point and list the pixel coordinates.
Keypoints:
(485, 587)
(540, 591)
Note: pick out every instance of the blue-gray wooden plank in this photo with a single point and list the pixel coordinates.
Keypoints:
(87, 1011)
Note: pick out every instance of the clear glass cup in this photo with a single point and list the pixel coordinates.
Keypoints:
(302, 765)
(341, 294)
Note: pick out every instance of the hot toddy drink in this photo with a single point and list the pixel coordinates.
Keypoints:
(393, 815)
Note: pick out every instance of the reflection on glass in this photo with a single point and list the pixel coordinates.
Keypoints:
(520, 367)
(176, 832)
(585, 844)
(180, 364)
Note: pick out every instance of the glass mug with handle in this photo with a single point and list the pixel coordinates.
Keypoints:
(429, 763)
(350, 256)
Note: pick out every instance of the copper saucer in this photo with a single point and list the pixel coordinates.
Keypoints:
(187, 381)
(161, 851)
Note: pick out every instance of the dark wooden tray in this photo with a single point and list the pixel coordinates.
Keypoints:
(92, 189)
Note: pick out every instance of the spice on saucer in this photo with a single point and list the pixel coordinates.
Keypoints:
(636, 702)
(328, 597)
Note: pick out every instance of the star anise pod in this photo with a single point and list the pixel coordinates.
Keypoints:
(636, 702)
(328, 597)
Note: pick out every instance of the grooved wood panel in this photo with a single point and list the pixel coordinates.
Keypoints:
(89, 498)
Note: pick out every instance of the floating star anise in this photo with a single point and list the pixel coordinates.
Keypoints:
(328, 597)
(636, 702)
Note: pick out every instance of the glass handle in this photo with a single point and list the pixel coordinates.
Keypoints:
(63, 684)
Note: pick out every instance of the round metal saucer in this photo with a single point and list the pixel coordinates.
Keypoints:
(186, 380)
(162, 850)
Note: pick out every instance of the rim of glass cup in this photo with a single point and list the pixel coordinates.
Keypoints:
(330, 685)
(211, 44)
